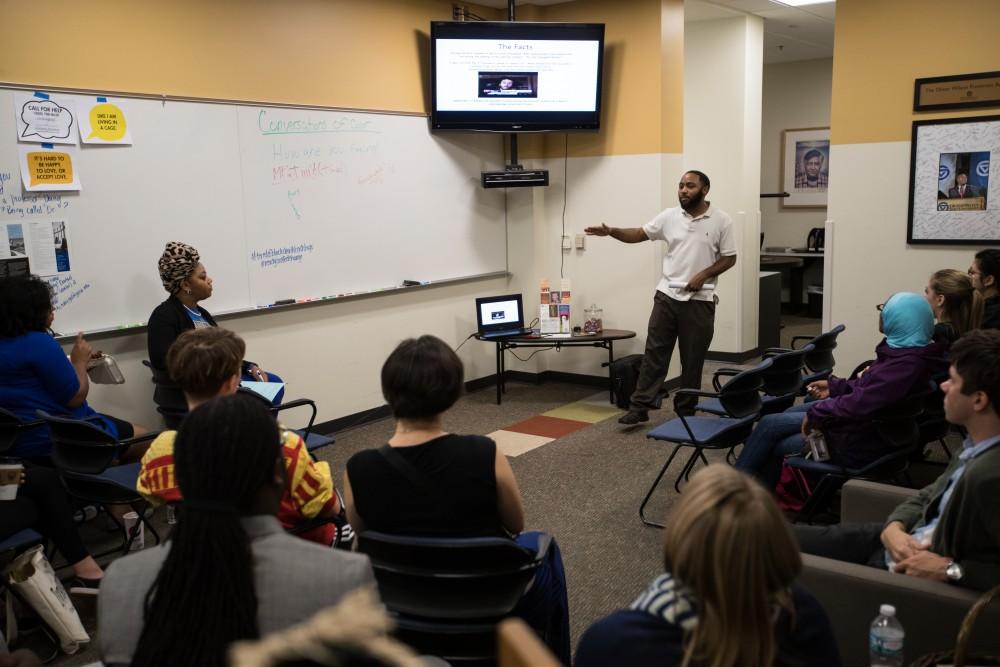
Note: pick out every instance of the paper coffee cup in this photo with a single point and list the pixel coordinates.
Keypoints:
(132, 524)
(10, 478)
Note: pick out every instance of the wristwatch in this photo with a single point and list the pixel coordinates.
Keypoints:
(954, 571)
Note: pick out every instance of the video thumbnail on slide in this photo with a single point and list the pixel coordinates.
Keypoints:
(508, 84)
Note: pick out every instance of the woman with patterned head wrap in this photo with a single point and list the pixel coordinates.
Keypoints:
(185, 279)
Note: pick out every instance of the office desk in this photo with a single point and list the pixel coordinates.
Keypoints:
(604, 340)
(796, 262)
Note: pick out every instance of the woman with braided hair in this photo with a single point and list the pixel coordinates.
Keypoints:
(229, 571)
(185, 279)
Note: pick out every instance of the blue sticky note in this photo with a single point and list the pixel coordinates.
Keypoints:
(102, 99)
(40, 95)
(266, 389)
(48, 146)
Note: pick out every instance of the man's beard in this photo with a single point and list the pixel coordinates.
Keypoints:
(694, 202)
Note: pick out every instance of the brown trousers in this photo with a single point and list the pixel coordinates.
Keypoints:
(693, 324)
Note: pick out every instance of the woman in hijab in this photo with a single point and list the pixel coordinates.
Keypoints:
(906, 360)
(185, 279)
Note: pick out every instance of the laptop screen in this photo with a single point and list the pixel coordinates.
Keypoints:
(499, 313)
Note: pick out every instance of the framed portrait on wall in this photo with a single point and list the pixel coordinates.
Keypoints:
(954, 191)
(805, 167)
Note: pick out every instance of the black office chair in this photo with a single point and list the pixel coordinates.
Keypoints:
(820, 361)
(168, 397)
(897, 427)
(739, 397)
(782, 383)
(85, 455)
(447, 595)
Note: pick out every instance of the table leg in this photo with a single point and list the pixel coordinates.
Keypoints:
(499, 370)
(611, 380)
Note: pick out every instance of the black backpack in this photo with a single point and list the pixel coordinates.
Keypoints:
(624, 375)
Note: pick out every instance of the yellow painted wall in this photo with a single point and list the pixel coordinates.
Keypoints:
(370, 55)
(881, 47)
(643, 77)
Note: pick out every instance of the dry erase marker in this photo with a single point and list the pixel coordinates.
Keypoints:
(283, 302)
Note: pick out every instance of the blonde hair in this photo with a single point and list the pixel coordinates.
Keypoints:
(963, 304)
(729, 544)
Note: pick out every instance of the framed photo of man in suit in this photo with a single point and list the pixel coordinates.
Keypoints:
(953, 183)
(805, 167)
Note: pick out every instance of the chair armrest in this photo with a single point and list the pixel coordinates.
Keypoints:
(298, 403)
(867, 502)
(796, 339)
(930, 611)
(139, 439)
(723, 372)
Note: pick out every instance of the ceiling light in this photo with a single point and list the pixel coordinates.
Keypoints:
(801, 3)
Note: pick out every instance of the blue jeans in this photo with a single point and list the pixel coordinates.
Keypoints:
(545, 607)
(774, 437)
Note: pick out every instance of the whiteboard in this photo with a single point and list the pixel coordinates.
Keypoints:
(281, 202)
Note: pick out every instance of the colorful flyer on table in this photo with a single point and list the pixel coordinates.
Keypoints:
(43, 118)
(46, 243)
(45, 168)
(104, 121)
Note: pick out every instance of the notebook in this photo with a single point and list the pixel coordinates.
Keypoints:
(500, 316)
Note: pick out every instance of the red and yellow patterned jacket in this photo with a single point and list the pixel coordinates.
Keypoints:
(309, 490)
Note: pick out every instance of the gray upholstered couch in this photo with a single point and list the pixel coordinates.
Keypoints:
(931, 612)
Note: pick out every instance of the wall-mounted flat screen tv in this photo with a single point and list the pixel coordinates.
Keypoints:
(501, 76)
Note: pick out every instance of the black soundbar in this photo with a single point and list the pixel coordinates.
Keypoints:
(515, 179)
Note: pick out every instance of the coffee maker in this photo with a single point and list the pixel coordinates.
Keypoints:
(816, 240)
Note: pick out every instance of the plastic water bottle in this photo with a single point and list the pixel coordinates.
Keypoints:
(885, 639)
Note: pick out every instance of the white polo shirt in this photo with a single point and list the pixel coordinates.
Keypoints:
(693, 244)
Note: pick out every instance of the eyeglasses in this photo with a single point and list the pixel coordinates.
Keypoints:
(880, 307)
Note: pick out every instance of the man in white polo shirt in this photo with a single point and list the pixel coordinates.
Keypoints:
(700, 246)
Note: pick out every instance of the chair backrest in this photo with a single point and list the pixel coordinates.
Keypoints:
(784, 377)
(821, 358)
(741, 395)
(11, 427)
(450, 578)
(78, 446)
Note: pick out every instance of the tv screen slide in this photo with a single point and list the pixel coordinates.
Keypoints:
(516, 76)
(530, 75)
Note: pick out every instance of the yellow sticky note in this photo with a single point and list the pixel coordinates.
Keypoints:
(50, 168)
(107, 122)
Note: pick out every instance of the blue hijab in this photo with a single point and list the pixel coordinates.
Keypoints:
(907, 320)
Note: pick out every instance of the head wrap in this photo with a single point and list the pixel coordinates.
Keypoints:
(177, 262)
(907, 320)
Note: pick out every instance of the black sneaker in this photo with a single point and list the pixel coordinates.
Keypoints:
(633, 417)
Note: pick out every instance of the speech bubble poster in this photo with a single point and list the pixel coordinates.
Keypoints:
(104, 121)
(48, 168)
(44, 119)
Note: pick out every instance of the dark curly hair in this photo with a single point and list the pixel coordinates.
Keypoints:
(25, 303)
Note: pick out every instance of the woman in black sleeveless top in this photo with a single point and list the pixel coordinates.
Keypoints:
(429, 482)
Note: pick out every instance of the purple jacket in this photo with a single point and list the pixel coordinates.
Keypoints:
(845, 417)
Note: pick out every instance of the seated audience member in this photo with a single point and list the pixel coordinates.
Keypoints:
(205, 363)
(905, 363)
(38, 376)
(985, 274)
(42, 505)
(469, 487)
(228, 571)
(185, 279)
(957, 305)
(727, 598)
(950, 530)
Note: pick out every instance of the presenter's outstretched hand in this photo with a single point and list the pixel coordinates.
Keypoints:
(602, 230)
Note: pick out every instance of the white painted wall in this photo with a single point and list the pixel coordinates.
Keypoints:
(723, 63)
(622, 191)
(796, 95)
(870, 259)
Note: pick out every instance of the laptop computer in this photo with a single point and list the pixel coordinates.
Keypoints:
(500, 316)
